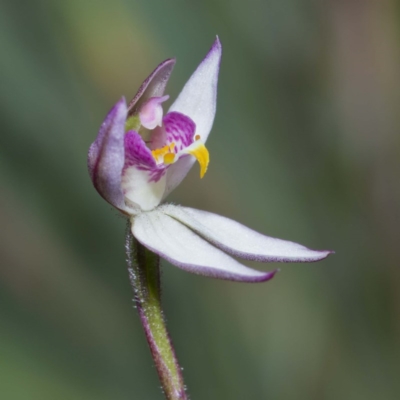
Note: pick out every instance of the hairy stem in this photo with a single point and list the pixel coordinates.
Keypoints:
(144, 274)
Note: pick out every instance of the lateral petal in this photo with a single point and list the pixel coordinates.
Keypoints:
(239, 240)
(198, 101)
(106, 156)
(183, 248)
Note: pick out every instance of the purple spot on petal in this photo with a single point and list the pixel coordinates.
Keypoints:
(180, 129)
(136, 151)
(138, 155)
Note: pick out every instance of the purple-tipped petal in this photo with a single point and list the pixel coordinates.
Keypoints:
(198, 98)
(183, 248)
(198, 101)
(153, 86)
(240, 241)
(106, 156)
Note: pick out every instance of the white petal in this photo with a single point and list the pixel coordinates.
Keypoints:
(106, 156)
(140, 191)
(198, 101)
(182, 247)
(240, 241)
(198, 98)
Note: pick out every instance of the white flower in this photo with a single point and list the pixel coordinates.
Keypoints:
(139, 157)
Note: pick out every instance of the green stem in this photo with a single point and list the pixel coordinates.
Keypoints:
(144, 274)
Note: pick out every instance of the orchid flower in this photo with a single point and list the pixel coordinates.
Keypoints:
(138, 158)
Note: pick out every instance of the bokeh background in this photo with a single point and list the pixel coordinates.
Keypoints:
(305, 147)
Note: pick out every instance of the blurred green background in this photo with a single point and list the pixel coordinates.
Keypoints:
(305, 147)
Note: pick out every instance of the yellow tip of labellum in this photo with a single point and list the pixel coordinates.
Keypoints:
(202, 156)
